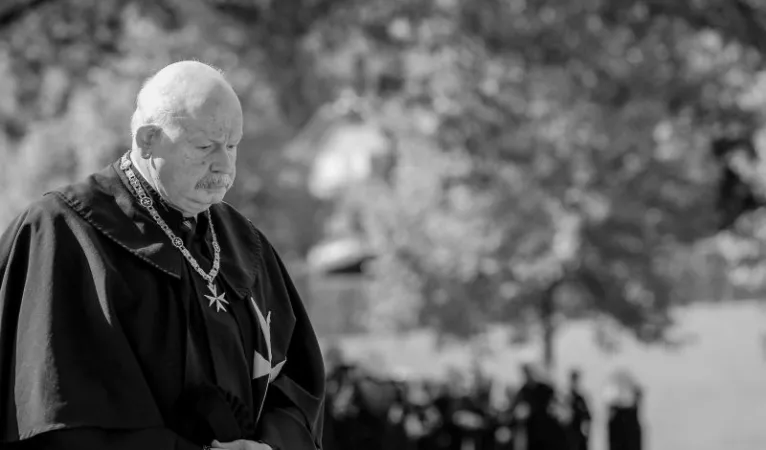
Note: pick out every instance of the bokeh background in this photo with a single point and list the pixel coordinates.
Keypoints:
(462, 183)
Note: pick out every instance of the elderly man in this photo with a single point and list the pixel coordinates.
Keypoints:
(138, 311)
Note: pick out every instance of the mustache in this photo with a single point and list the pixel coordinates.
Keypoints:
(215, 181)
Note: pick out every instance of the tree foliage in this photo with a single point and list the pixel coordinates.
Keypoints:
(554, 150)
(550, 158)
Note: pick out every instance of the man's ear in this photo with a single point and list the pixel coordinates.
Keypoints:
(147, 137)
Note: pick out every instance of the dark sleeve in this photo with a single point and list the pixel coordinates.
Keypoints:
(68, 377)
(293, 414)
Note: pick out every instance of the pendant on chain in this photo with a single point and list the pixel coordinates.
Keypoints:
(146, 202)
(216, 299)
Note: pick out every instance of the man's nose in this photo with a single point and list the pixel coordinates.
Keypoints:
(223, 160)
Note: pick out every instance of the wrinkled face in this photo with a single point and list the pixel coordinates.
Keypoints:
(193, 164)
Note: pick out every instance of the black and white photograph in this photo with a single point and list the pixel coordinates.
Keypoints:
(383, 224)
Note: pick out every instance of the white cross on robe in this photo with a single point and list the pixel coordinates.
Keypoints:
(262, 366)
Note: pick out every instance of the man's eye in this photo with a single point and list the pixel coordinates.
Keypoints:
(205, 147)
(231, 146)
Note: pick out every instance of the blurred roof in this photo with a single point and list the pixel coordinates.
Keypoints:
(339, 255)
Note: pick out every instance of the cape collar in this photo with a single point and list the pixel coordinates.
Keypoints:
(105, 200)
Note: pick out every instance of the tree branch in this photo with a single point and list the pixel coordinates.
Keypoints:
(18, 10)
(734, 19)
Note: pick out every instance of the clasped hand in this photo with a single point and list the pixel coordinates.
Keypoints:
(240, 444)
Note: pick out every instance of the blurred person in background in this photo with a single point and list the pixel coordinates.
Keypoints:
(623, 398)
(138, 311)
(422, 419)
(340, 407)
(536, 426)
(578, 423)
(337, 374)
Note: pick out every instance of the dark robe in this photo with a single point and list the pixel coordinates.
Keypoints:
(578, 428)
(542, 430)
(624, 426)
(107, 338)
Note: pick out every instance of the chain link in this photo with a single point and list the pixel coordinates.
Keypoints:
(177, 242)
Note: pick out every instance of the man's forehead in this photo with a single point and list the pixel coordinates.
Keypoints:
(212, 127)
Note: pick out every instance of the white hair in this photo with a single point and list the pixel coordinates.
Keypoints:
(152, 108)
(155, 104)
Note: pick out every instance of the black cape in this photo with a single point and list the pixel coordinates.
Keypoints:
(107, 339)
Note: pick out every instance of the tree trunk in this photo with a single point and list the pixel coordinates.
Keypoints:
(547, 312)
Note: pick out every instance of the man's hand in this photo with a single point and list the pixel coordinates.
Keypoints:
(240, 444)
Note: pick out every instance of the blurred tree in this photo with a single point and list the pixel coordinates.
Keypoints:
(552, 159)
(71, 70)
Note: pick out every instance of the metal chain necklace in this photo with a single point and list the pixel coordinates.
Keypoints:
(146, 201)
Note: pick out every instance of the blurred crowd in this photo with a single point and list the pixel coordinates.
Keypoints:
(466, 411)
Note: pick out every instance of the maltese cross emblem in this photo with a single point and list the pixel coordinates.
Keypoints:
(216, 299)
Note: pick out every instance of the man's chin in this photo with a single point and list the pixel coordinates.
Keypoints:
(201, 202)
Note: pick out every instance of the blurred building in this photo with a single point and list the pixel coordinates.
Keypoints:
(336, 283)
(345, 149)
